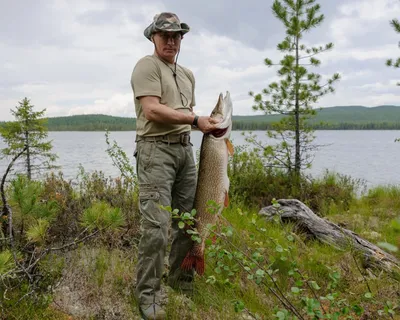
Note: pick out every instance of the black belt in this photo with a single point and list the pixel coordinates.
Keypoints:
(183, 138)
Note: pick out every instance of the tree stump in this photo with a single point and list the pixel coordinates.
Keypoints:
(315, 227)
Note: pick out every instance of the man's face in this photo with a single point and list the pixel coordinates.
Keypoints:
(167, 43)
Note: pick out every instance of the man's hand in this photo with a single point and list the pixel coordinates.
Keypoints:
(207, 124)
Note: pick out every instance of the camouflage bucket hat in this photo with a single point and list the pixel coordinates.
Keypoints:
(166, 21)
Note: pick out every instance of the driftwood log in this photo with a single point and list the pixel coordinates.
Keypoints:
(313, 226)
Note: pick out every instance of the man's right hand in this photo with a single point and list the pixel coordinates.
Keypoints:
(207, 124)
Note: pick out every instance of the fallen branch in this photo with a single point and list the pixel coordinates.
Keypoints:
(315, 227)
(71, 244)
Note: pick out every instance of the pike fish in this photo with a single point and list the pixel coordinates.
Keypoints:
(212, 181)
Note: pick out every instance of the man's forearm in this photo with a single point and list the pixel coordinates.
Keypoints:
(163, 114)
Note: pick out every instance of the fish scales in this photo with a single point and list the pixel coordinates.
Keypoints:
(212, 181)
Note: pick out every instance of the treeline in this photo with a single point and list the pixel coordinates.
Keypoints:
(96, 122)
(358, 126)
(334, 118)
(102, 122)
(259, 125)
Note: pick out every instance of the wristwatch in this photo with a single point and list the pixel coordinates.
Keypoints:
(194, 123)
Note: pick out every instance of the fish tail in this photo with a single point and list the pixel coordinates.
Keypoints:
(194, 260)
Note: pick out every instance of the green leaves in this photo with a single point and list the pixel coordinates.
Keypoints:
(32, 210)
(391, 62)
(314, 285)
(388, 246)
(260, 273)
(238, 306)
(187, 220)
(268, 62)
(358, 309)
(389, 309)
(6, 262)
(213, 207)
(315, 62)
(120, 159)
(368, 295)
(395, 224)
(395, 24)
(38, 231)
(25, 194)
(295, 290)
(102, 216)
(312, 306)
(335, 277)
(282, 315)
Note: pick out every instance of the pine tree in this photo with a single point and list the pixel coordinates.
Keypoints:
(390, 62)
(298, 90)
(29, 132)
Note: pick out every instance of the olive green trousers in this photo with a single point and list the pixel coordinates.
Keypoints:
(167, 176)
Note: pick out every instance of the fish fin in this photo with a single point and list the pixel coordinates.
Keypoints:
(188, 263)
(200, 266)
(194, 260)
(226, 202)
(231, 149)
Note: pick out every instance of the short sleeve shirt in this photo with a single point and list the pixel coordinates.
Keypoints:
(154, 77)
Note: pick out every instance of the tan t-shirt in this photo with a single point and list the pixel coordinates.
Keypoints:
(153, 77)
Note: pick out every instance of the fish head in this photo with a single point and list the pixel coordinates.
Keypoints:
(223, 112)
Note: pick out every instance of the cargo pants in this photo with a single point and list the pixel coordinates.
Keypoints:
(166, 176)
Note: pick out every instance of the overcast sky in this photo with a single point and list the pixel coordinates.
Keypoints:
(76, 57)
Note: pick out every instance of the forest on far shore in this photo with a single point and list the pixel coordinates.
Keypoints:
(333, 118)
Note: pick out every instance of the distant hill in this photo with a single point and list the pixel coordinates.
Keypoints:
(337, 118)
(92, 122)
(343, 114)
(334, 118)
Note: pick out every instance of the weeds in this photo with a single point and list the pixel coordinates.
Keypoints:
(271, 262)
(255, 269)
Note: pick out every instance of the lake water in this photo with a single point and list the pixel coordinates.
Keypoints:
(369, 155)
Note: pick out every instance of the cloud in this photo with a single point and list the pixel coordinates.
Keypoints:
(118, 104)
(74, 57)
(370, 10)
(364, 22)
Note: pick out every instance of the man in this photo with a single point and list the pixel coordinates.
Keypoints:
(164, 99)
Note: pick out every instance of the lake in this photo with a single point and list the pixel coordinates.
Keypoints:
(369, 155)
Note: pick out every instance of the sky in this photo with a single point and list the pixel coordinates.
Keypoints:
(76, 56)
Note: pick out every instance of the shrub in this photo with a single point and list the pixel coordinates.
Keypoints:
(254, 184)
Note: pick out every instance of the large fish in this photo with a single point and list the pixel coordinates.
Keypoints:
(212, 181)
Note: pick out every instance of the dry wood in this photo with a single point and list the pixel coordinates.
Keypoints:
(315, 227)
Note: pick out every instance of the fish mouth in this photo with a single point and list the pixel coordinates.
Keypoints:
(218, 133)
(223, 112)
